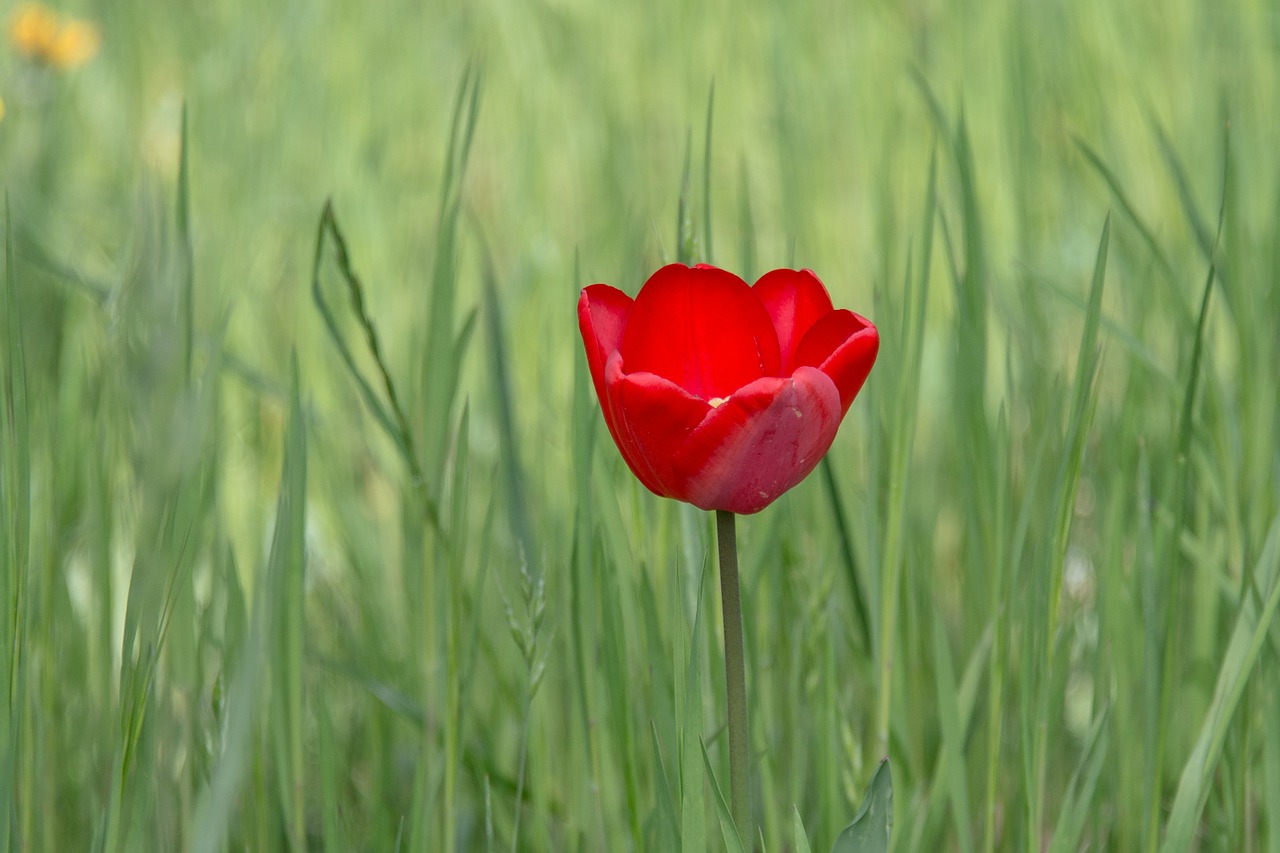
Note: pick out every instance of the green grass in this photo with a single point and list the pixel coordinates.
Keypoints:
(312, 537)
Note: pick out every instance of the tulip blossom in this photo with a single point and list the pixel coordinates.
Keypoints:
(718, 393)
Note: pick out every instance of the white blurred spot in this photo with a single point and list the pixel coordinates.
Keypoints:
(1077, 709)
(80, 586)
(1078, 576)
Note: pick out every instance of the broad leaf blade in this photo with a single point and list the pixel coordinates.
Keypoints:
(799, 840)
(873, 825)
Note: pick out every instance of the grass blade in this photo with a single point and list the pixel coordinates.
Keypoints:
(1117, 192)
(847, 557)
(15, 523)
(393, 421)
(1271, 761)
(186, 258)
(707, 255)
(216, 804)
(1084, 397)
(668, 830)
(693, 808)
(746, 227)
(728, 829)
(902, 433)
(1180, 489)
(1080, 791)
(286, 567)
(1204, 237)
(509, 443)
(954, 734)
(799, 838)
(686, 250)
(440, 364)
(1247, 639)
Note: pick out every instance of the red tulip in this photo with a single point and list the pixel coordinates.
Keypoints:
(721, 394)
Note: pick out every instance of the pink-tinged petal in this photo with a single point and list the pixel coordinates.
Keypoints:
(657, 416)
(844, 346)
(701, 328)
(623, 435)
(602, 318)
(794, 301)
(759, 443)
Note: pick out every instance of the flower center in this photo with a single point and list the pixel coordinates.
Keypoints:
(717, 402)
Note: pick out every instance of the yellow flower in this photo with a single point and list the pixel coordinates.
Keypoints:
(45, 37)
(76, 43)
(1, 109)
(32, 28)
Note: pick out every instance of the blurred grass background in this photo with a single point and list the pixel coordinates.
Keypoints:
(1039, 571)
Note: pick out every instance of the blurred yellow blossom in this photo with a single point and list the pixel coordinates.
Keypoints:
(76, 43)
(1, 109)
(32, 27)
(46, 37)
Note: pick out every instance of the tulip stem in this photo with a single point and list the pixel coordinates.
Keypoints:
(735, 676)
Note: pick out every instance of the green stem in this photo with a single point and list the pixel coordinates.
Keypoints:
(735, 675)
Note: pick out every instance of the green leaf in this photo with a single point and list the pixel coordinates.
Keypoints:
(727, 827)
(706, 177)
(746, 227)
(439, 366)
(693, 834)
(507, 426)
(1247, 639)
(902, 432)
(1148, 238)
(185, 252)
(665, 811)
(274, 645)
(1074, 815)
(619, 688)
(685, 250)
(954, 724)
(1271, 758)
(799, 839)
(286, 567)
(15, 533)
(873, 825)
(848, 559)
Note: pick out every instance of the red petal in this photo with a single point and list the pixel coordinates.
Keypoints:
(622, 434)
(844, 346)
(701, 328)
(794, 300)
(763, 440)
(602, 318)
(656, 416)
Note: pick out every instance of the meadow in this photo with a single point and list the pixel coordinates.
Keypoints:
(312, 535)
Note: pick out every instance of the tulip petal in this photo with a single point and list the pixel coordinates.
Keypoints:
(843, 345)
(794, 301)
(656, 416)
(759, 443)
(602, 317)
(701, 328)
